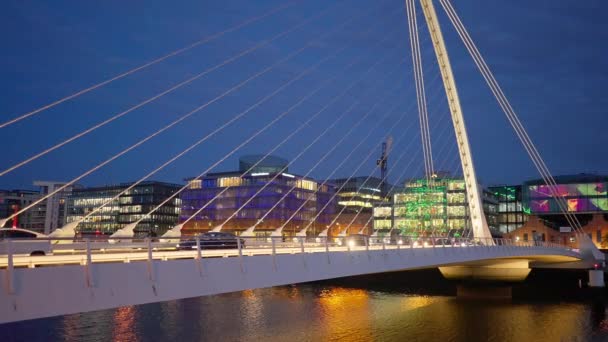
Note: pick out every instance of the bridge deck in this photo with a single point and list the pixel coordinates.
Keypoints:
(45, 291)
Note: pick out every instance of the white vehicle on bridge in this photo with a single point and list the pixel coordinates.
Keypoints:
(24, 241)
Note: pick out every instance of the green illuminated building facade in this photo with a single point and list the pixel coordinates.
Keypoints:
(438, 208)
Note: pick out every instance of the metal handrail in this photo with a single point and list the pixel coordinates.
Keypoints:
(86, 251)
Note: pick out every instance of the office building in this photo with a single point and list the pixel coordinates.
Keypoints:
(215, 198)
(511, 214)
(357, 196)
(129, 207)
(51, 213)
(438, 207)
(584, 195)
(12, 201)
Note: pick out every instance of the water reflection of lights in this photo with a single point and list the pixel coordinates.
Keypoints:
(124, 324)
(252, 308)
(416, 302)
(344, 308)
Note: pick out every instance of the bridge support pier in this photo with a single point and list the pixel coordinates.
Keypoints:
(500, 271)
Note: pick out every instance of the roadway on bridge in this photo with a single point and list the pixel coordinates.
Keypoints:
(164, 252)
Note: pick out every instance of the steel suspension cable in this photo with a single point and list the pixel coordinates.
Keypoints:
(165, 92)
(326, 154)
(353, 150)
(386, 176)
(292, 160)
(309, 95)
(254, 165)
(2, 221)
(220, 128)
(420, 91)
(397, 141)
(510, 113)
(148, 64)
(371, 151)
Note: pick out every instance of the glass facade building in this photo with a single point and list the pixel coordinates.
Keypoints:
(357, 197)
(11, 201)
(222, 194)
(511, 213)
(582, 194)
(425, 208)
(128, 208)
(439, 208)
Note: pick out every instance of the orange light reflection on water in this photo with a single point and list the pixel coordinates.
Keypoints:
(124, 324)
(344, 308)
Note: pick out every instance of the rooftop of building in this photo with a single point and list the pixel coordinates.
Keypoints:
(572, 179)
(126, 185)
(216, 175)
(19, 191)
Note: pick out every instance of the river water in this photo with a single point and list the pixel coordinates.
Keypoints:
(385, 310)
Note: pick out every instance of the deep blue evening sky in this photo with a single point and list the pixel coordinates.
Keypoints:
(549, 56)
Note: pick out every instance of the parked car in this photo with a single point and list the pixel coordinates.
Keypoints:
(212, 240)
(24, 241)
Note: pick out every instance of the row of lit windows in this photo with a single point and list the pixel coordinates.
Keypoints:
(152, 217)
(358, 194)
(509, 207)
(383, 211)
(457, 211)
(306, 184)
(420, 210)
(248, 192)
(382, 224)
(355, 204)
(402, 198)
(91, 202)
(512, 218)
(456, 197)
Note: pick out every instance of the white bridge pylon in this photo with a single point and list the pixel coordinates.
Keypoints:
(478, 220)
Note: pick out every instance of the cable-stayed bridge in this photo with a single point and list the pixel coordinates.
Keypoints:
(83, 275)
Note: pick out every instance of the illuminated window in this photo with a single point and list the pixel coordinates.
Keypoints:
(355, 204)
(382, 211)
(306, 184)
(456, 211)
(229, 181)
(382, 224)
(456, 197)
(456, 185)
(195, 184)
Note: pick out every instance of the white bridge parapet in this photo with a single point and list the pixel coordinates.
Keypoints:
(96, 280)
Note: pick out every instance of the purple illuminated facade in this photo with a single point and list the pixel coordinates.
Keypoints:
(581, 194)
(222, 194)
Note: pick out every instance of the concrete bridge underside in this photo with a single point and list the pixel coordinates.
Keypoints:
(29, 293)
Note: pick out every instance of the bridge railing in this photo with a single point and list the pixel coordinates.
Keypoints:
(61, 251)
(33, 253)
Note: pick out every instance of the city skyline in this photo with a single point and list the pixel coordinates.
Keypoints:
(514, 52)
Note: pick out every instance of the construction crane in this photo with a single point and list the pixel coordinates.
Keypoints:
(383, 164)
